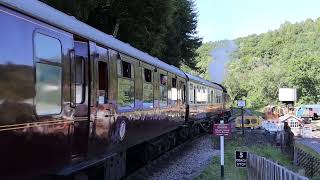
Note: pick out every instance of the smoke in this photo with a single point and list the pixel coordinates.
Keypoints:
(220, 58)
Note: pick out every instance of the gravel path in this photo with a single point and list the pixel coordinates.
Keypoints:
(185, 163)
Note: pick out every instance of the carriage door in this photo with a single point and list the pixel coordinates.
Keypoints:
(102, 110)
(79, 69)
(182, 97)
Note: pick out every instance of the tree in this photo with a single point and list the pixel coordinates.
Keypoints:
(163, 28)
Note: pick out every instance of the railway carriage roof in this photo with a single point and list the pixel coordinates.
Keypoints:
(43, 12)
(203, 81)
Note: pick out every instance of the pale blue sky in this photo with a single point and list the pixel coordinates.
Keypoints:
(229, 19)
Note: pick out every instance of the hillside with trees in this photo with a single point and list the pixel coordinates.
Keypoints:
(286, 57)
(163, 28)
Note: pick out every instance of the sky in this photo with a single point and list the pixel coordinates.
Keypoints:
(229, 19)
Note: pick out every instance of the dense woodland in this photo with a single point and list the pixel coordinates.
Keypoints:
(287, 57)
(163, 28)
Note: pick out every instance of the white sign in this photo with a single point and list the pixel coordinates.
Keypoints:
(287, 94)
(241, 103)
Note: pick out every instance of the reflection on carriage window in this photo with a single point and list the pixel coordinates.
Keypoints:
(147, 95)
(47, 48)
(163, 96)
(125, 93)
(147, 89)
(48, 89)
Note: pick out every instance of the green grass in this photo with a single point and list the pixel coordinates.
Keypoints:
(233, 173)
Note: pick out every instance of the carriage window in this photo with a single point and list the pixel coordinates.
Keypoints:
(125, 69)
(103, 81)
(253, 121)
(147, 89)
(163, 80)
(47, 48)
(163, 91)
(174, 82)
(79, 77)
(48, 75)
(125, 85)
(198, 95)
(147, 75)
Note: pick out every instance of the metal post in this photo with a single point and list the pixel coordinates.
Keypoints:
(222, 151)
(242, 123)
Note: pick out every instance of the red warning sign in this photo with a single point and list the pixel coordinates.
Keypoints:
(222, 129)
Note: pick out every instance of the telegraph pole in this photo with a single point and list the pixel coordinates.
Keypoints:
(242, 123)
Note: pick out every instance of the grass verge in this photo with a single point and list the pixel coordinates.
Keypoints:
(233, 173)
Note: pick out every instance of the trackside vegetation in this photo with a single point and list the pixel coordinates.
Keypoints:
(233, 173)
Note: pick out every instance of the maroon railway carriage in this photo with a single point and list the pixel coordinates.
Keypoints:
(75, 102)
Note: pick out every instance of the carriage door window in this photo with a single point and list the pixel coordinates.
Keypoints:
(181, 92)
(81, 54)
(103, 82)
(184, 94)
(48, 74)
(79, 70)
(191, 94)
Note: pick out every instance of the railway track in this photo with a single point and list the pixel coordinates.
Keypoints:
(146, 170)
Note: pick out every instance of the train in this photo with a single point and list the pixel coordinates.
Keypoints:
(76, 103)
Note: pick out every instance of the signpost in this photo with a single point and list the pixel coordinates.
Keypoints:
(222, 130)
(241, 159)
(242, 103)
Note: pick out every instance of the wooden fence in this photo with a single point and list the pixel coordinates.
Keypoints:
(308, 162)
(260, 168)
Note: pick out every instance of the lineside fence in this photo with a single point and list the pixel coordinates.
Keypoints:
(308, 162)
(260, 168)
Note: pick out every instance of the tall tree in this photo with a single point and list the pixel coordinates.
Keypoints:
(182, 40)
